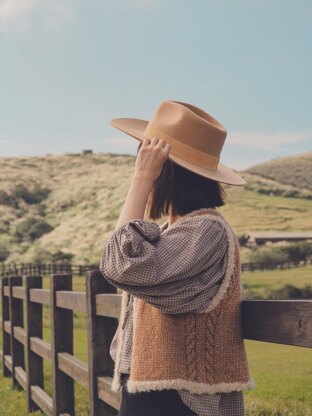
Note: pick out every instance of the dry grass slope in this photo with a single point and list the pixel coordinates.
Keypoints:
(80, 198)
(295, 171)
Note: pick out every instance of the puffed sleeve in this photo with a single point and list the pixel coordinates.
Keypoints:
(175, 270)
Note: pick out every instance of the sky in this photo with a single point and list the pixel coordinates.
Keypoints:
(67, 67)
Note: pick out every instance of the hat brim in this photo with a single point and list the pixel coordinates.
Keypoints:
(135, 127)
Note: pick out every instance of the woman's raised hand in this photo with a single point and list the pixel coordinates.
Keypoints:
(151, 157)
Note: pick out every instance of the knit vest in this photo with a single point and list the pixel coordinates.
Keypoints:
(201, 352)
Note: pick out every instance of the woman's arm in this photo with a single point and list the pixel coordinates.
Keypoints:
(148, 166)
(177, 270)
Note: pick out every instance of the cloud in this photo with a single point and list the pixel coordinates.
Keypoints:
(17, 13)
(268, 141)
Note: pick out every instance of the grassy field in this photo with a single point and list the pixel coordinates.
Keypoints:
(282, 374)
(259, 283)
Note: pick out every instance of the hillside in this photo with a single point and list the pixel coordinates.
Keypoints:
(70, 204)
(294, 171)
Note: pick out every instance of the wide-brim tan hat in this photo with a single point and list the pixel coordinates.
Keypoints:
(196, 138)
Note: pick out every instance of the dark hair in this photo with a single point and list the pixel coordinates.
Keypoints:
(184, 190)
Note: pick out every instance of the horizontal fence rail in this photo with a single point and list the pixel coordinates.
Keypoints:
(278, 321)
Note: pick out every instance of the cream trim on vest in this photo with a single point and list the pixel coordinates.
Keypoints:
(192, 386)
(116, 383)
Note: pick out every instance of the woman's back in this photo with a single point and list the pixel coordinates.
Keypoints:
(191, 276)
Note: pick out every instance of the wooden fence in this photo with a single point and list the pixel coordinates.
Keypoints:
(8, 269)
(278, 321)
(35, 269)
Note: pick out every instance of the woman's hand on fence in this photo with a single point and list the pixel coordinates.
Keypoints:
(151, 157)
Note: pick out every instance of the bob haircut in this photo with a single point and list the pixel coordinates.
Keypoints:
(184, 190)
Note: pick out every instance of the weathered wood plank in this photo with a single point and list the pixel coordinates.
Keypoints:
(21, 377)
(105, 393)
(7, 327)
(279, 321)
(108, 305)
(18, 292)
(74, 368)
(40, 347)
(100, 333)
(42, 399)
(62, 341)
(41, 296)
(5, 317)
(8, 362)
(16, 318)
(75, 301)
(20, 334)
(34, 320)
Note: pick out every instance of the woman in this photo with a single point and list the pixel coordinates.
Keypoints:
(178, 349)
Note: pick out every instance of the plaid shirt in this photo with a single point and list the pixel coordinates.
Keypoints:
(179, 276)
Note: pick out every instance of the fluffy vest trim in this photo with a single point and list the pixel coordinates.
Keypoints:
(201, 352)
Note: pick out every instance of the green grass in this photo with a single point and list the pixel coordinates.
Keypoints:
(13, 401)
(282, 373)
(248, 210)
(283, 377)
(259, 283)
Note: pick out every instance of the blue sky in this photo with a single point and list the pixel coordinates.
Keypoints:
(69, 66)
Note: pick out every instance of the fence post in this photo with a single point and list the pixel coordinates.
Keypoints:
(5, 317)
(61, 341)
(34, 329)
(100, 334)
(16, 319)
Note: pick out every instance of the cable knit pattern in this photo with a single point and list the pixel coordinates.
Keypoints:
(190, 345)
(211, 320)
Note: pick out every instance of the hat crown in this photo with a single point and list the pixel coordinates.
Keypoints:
(196, 138)
(189, 125)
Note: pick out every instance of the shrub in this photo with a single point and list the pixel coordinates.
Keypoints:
(243, 239)
(4, 252)
(275, 255)
(291, 292)
(7, 199)
(33, 195)
(32, 229)
(271, 256)
(297, 252)
(60, 256)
